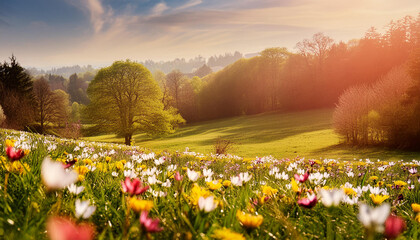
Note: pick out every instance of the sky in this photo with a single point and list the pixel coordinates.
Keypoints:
(53, 33)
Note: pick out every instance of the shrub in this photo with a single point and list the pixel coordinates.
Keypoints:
(222, 146)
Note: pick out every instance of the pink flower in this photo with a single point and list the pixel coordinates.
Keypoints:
(302, 178)
(178, 176)
(309, 202)
(150, 225)
(60, 228)
(69, 163)
(14, 154)
(394, 226)
(134, 187)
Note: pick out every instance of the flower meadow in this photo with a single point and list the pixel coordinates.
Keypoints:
(55, 188)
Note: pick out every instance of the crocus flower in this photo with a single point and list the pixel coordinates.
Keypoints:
(302, 178)
(150, 225)
(134, 187)
(331, 197)
(394, 226)
(59, 228)
(14, 154)
(75, 189)
(84, 209)
(374, 218)
(55, 176)
(178, 176)
(192, 175)
(308, 202)
(207, 204)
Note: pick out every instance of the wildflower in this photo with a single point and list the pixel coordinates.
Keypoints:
(196, 193)
(148, 224)
(373, 178)
(302, 178)
(294, 185)
(214, 185)
(331, 197)
(75, 189)
(84, 209)
(269, 191)
(192, 175)
(207, 172)
(374, 218)
(226, 183)
(245, 177)
(114, 174)
(139, 205)
(55, 176)
(399, 183)
(59, 228)
(308, 202)
(14, 154)
(178, 176)
(394, 226)
(412, 170)
(207, 204)
(227, 234)
(134, 187)
(349, 191)
(378, 199)
(415, 207)
(167, 183)
(68, 164)
(249, 221)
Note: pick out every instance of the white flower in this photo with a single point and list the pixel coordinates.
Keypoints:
(75, 189)
(245, 177)
(374, 218)
(55, 176)
(192, 175)
(236, 181)
(207, 172)
(412, 170)
(167, 183)
(159, 161)
(152, 180)
(130, 174)
(273, 171)
(351, 201)
(207, 204)
(84, 209)
(282, 175)
(331, 197)
(350, 174)
(208, 179)
(171, 168)
(114, 174)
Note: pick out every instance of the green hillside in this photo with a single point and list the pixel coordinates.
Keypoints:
(306, 134)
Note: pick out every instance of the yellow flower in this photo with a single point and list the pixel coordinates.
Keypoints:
(81, 177)
(417, 217)
(119, 165)
(87, 161)
(123, 161)
(107, 159)
(295, 186)
(373, 178)
(214, 185)
(378, 199)
(249, 221)
(196, 193)
(400, 183)
(269, 191)
(380, 183)
(10, 143)
(227, 234)
(416, 207)
(139, 205)
(226, 183)
(82, 170)
(101, 167)
(349, 191)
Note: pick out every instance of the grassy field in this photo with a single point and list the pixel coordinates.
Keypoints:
(282, 135)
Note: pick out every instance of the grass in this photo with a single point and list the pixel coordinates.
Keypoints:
(282, 135)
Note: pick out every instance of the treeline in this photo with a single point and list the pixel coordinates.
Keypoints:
(62, 71)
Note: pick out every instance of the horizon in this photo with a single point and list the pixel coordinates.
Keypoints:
(50, 34)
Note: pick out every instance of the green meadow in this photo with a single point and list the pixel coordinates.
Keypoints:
(283, 135)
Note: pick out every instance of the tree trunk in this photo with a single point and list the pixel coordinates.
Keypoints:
(128, 139)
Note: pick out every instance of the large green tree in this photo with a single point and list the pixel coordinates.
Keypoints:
(125, 99)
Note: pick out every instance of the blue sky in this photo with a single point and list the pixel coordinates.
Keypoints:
(52, 33)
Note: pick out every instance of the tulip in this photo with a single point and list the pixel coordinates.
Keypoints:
(331, 197)
(192, 175)
(394, 226)
(302, 178)
(207, 204)
(14, 154)
(178, 176)
(134, 187)
(309, 202)
(150, 225)
(55, 176)
(84, 209)
(75, 189)
(374, 218)
(59, 228)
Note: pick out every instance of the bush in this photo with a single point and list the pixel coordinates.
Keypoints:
(222, 146)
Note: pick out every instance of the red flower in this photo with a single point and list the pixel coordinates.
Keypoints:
(302, 178)
(309, 202)
(150, 225)
(394, 226)
(14, 154)
(134, 187)
(178, 176)
(69, 163)
(60, 228)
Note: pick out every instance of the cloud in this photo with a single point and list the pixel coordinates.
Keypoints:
(159, 9)
(189, 4)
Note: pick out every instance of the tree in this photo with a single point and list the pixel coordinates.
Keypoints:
(77, 89)
(125, 99)
(317, 47)
(174, 81)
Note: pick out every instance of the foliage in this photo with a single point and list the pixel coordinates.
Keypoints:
(222, 146)
(266, 190)
(125, 99)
